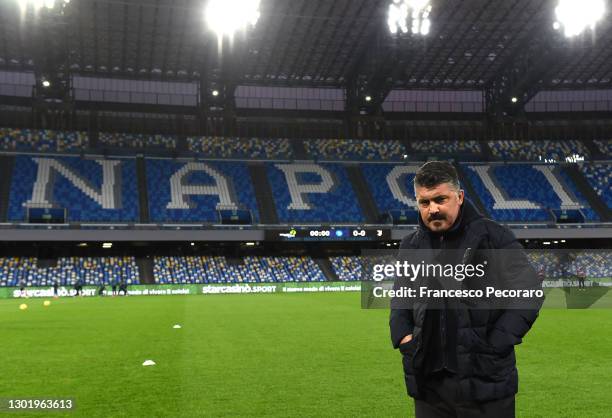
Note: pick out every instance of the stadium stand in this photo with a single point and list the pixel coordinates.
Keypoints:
(524, 192)
(546, 263)
(355, 149)
(257, 148)
(553, 264)
(313, 193)
(558, 264)
(605, 146)
(390, 185)
(594, 264)
(537, 150)
(14, 270)
(356, 268)
(599, 176)
(108, 190)
(100, 190)
(123, 140)
(42, 140)
(92, 270)
(254, 269)
(188, 192)
(347, 268)
(447, 147)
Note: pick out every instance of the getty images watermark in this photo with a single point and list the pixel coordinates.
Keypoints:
(476, 279)
(404, 270)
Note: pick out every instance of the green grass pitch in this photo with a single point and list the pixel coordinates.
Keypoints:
(266, 355)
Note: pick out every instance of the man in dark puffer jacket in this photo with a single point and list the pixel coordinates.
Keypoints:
(460, 362)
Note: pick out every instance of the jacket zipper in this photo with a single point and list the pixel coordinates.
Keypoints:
(443, 324)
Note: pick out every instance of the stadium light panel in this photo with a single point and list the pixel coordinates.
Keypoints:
(574, 16)
(215, 93)
(368, 98)
(514, 100)
(39, 4)
(409, 13)
(226, 17)
(46, 83)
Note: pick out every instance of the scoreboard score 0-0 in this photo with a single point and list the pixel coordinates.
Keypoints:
(328, 234)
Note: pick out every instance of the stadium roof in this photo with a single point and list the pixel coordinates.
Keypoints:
(316, 43)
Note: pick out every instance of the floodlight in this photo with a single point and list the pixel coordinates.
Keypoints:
(46, 83)
(574, 16)
(215, 93)
(226, 17)
(39, 4)
(413, 13)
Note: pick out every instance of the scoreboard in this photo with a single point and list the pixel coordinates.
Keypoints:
(328, 234)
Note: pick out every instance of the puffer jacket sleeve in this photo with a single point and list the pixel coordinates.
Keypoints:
(401, 322)
(513, 324)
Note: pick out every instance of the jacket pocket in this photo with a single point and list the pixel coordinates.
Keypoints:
(492, 366)
(408, 350)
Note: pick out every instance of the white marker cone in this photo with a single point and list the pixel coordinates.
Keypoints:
(148, 363)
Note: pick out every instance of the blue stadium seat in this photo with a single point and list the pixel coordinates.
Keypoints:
(13, 139)
(523, 182)
(258, 148)
(327, 195)
(123, 140)
(596, 264)
(347, 268)
(456, 147)
(515, 150)
(383, 194)
(253, 269)
(89, 202)
(355, 149)
(605, 146)
(197, 207)
(92, 270)
(599, 176)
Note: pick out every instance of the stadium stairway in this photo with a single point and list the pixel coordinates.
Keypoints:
(486, 151)
(94, 135)
(143, 194)
(263, 193)
(590, 195)
(181, 144)
(145, 270)
(470, 191)
(326, 267)
(594, 150)
(408, 145)
(364, 196)
(299, 150)
(6, 168)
